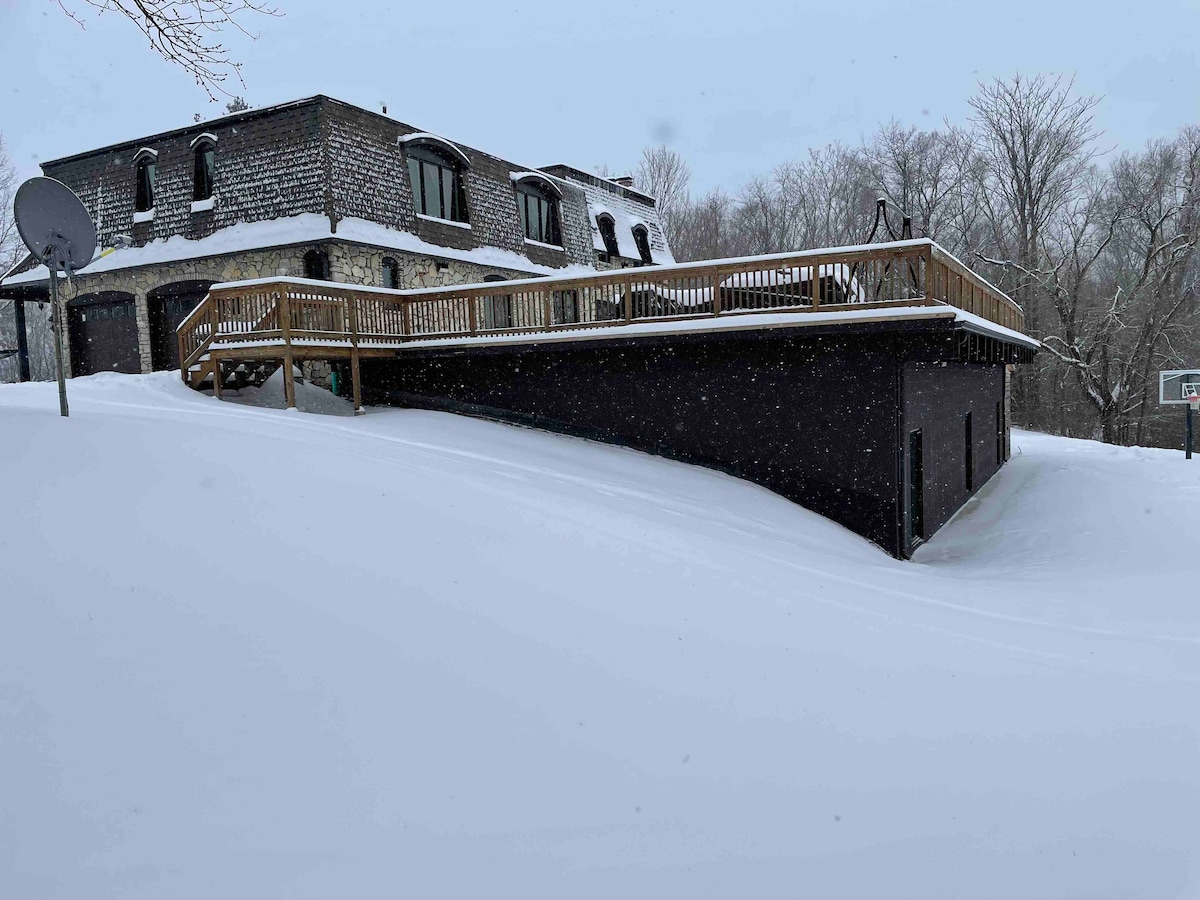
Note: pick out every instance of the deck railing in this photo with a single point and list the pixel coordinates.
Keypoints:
(298, 313)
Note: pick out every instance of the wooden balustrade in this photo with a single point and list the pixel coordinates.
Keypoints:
(293, 313)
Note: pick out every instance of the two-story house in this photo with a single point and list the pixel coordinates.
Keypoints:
(321, 189)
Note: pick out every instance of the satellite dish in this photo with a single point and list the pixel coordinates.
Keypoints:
(56, 227)
(54, 224)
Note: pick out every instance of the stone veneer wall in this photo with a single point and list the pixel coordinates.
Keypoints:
(349, 264)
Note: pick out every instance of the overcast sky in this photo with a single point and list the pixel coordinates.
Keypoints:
(736, 87)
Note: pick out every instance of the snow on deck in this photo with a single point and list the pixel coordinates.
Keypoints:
(730, 321)
(250, 652)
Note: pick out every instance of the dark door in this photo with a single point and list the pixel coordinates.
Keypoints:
(103, 334)
(169, 306)
(916, 488)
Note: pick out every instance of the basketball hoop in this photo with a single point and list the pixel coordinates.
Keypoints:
(1194, 402)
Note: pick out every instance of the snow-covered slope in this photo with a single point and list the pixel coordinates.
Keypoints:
(248, 653)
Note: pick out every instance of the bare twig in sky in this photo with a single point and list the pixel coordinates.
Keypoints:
(185, 32)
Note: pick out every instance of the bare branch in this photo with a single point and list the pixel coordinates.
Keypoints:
(180, 31)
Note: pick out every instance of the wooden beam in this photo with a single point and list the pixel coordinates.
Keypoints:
(22, 341)
(283, 304)
(356, 381)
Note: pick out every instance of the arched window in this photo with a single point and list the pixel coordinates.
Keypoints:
(391, 273)
(641, 237)
(537, 200)
(608, 231)
(316, 265)
(437, 182)
(203, 169)
(147, 176)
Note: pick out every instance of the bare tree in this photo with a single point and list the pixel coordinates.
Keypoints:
(704, 229)
(931, 176)
(10, 242)
(183, 32)
(1037, 141)
(664, 175)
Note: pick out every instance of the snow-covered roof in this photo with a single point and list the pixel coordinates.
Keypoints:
(424, 137)
(541, 177)
(304, 228)
(627, 213)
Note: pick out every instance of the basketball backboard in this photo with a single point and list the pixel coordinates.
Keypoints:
(1178, 386)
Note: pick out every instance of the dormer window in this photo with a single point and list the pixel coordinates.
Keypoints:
(641, 237)
(608, 232)
(204, 168)
(437, 182)
(538, 206)
(147, 176)
(391, 273)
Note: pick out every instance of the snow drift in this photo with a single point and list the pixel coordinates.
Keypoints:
(256, 653)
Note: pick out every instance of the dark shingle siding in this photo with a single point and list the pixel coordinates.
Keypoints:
(314, 156)
(266, 167)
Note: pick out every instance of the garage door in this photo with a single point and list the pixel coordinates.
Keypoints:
(103, 334)
(168, 307)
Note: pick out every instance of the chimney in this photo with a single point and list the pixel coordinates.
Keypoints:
(623, 181)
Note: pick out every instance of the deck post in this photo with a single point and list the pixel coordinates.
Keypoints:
(356, 380)
(22, 341)
(716, 289)
(285, 328)
(355, 376)
(216, 376)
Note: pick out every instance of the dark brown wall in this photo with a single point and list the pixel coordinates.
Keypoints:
(937, 397)
(819, 415)
(813, 418)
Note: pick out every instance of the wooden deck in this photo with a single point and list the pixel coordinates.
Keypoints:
(294, 319)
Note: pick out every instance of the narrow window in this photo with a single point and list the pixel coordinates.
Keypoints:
(391, 273)
(641, 237)
(539, 214)
(437, 184)
(969, 454)
(316, 265)
(916, 486)
(608, 232)
(147, 175)
(203, 170)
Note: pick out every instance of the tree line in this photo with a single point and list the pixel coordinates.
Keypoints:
(1098, 247)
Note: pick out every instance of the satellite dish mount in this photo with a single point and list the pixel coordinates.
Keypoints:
(56, 227)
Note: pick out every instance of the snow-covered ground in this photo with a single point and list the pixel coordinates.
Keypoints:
(248, 653)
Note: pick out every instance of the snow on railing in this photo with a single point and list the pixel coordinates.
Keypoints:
(300, 311)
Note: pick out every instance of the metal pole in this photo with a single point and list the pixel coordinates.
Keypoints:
(1188, 444)
(58, 357)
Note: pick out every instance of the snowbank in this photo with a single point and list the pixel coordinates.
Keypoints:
(245, 653)
(309, 397)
